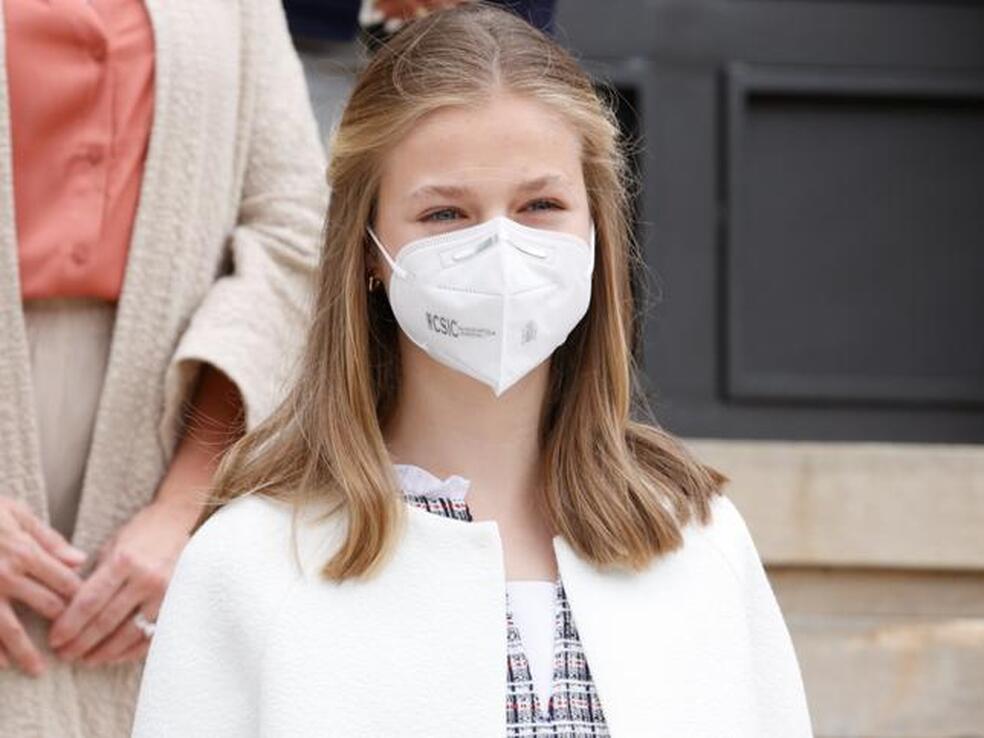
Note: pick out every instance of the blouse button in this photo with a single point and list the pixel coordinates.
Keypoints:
(80, 254)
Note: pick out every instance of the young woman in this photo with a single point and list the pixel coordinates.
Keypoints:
(452, 526)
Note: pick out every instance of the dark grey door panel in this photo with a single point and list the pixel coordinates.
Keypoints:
(811, 211)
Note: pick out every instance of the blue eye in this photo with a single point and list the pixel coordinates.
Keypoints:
(444, 214)
(543, 205)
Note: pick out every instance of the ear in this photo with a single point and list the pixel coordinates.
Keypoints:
(371, 258)
(375, 262)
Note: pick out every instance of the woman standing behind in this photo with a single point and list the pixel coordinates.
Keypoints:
(161, 195)
(486, 543)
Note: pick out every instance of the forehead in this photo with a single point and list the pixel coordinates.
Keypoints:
(506, 140)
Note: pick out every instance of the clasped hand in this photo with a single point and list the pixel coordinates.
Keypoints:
(91, 618)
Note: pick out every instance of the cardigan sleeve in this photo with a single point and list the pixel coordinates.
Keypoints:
(251, 322)
(781, 707)
(202, 674)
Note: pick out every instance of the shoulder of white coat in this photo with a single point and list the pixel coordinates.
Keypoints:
(727, 532)
(240, 528)
(238, 569)
(224, 589)
(255, 541)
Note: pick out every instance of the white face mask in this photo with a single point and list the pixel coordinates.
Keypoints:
(493, 300)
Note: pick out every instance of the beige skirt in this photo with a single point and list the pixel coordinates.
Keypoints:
(69, 342)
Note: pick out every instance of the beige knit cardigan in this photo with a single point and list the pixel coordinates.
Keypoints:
(220, 270)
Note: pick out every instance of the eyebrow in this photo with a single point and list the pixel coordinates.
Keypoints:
(458, 191)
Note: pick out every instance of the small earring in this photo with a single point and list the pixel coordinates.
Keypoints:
(373, 282)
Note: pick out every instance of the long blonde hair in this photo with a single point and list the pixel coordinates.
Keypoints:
(618, 490)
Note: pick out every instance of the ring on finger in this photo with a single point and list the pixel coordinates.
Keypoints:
(144, 625)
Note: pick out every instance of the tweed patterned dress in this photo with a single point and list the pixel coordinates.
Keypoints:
(574, 709)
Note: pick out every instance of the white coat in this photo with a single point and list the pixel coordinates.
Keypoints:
(251, 644)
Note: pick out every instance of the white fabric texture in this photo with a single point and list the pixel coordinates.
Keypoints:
(532, 602)
(252, 641)
(415, 480)
(533, 606)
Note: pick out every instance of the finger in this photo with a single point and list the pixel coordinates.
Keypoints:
(4, 660)
(118, 643)
(152, 608)
(402, 9)
(88, 601)
(36, 596)
(18, 646)
(122, 605)
(385, 7)
(135, 653)
(417, 9)
(388, 7)
(50, 539)
(44, 567)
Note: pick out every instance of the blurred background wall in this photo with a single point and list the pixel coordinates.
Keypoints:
(811, 211)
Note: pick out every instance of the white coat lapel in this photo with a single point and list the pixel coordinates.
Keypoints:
(428, 653)
(658, 641)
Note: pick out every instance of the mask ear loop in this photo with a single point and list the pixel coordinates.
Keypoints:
(397, 269)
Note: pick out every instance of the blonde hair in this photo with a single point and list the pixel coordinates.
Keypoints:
(618, 490)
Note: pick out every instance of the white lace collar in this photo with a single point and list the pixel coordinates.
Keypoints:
(414, 480)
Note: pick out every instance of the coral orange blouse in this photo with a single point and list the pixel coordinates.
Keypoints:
(80, 82)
